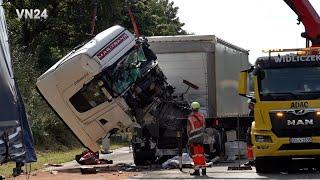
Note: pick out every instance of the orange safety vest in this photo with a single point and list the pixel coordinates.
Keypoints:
(196, 127)
(196, 132)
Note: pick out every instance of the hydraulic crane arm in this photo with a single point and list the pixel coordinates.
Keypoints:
(309, 17)
(132, 19)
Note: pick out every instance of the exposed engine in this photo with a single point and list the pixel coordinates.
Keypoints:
(152, 101)
(155, 108)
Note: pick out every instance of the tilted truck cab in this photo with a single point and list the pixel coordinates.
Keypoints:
(287, 107)
(77, 92)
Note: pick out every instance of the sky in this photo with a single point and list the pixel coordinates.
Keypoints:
(251, 24)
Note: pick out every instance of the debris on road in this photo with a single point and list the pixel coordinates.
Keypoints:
(53, 165)
(215, 159)
(174, 162)
(90, 170)
(235, 148)
(54, 172)
(88, 157)
(235, 168)
(186, 162)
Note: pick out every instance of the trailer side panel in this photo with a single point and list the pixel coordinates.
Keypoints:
(229, 61)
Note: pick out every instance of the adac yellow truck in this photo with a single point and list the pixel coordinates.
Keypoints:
(286, 92)
(285, 89)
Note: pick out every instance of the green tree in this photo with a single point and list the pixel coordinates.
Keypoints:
(158, 18)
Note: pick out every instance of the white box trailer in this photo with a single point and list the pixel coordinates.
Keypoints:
(210, 63)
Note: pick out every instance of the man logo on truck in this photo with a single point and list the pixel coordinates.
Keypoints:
(299, 122)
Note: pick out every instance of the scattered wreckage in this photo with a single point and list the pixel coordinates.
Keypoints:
(114, 83)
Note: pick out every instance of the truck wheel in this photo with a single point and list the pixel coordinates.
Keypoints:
(316, 163)
(143, 156)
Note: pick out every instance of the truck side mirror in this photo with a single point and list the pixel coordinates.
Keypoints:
(242, 89)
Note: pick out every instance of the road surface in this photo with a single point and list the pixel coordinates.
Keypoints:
(222, 172)
(218, 171)
(123, 168)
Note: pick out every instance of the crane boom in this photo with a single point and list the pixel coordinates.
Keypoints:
(310, 19)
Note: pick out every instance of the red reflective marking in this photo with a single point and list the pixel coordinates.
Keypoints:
(112, 46)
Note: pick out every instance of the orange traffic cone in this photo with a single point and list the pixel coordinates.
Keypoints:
(249, 152)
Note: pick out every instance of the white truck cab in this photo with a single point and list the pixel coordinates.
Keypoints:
(83, 95)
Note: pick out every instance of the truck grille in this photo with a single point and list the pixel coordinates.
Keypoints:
(295, 123)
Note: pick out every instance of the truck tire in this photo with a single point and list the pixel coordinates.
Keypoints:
(263, 165)
(142, 156)
(316, 163)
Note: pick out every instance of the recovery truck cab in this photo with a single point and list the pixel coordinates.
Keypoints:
(111, 83)
(287, 107)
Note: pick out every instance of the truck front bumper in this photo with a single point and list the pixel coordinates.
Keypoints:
(281, 146)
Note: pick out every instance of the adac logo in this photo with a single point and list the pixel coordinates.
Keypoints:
(299, 104)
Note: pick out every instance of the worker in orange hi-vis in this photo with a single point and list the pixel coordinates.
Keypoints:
(196, 128)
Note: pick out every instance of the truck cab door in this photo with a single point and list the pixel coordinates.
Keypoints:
(96, 110)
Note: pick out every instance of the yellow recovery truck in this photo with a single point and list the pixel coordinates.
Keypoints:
(286, 93)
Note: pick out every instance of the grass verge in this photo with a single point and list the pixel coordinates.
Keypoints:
(116, 145)
(44, 158)
(55, 157)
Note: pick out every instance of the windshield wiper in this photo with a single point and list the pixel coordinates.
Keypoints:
(279, 93)
(309, 92)
(313, 94)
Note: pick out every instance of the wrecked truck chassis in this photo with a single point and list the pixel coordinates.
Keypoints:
(157, 137)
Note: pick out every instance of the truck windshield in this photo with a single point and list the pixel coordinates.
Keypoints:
(117, 79)
(126, 72)
(290, 83)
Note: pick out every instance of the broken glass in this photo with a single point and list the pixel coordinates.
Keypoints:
(127, 71)
(118, 79)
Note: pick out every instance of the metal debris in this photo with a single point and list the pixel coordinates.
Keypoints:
(54, 172)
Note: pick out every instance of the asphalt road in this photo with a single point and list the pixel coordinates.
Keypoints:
(218, 171)
(222, 172)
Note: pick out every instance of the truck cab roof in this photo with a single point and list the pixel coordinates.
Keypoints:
(102, 48)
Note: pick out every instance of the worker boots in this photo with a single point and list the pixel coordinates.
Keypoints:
(204, 172)
(195, 173)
